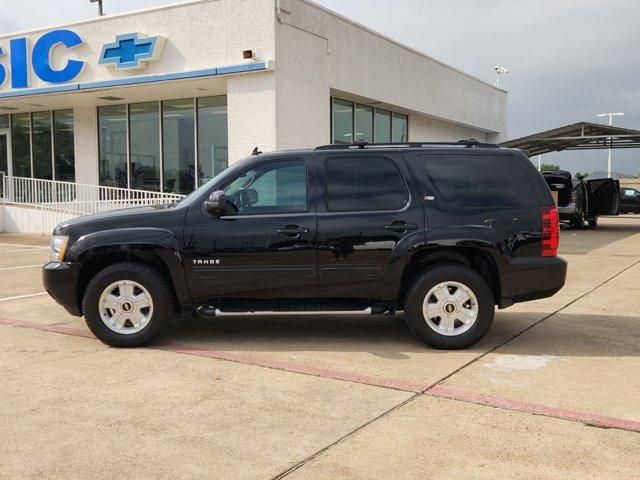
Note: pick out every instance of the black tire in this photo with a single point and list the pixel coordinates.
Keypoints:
(593, 222)
(578, 221)
(158, 288)
(449, 273)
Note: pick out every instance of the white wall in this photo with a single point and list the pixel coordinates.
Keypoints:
(424, 129)
(16, 219)
(251, 106)
(315, 51)
(318, 51)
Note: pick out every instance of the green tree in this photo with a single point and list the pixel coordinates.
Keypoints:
(581, 176)
(549, 167)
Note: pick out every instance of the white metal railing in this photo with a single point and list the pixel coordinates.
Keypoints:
(69, 199)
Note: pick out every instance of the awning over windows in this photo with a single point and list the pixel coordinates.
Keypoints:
(579, 136)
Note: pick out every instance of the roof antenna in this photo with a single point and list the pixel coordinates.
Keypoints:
(256, 151)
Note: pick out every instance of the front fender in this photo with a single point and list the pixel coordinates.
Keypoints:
(159, 242)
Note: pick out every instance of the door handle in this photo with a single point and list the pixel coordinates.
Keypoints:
(293, 230)
(401, 227)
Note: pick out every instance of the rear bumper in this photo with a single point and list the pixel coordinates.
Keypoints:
(568, 213)
(531, 278)
(60, 280)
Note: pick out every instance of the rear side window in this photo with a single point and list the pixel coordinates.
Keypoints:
(364, 184)
(478, 180)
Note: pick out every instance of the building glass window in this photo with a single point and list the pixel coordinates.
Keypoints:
(63, 149)
(112, 126)
(400, 128)
(4, 121)
(342, 121)
(144, 146)
(41, 145)
(21, 144)
(178, 141)
(213, 150)
(152, 145)
(352, 122)
(4, 160)
(383, 126)
(364, 123)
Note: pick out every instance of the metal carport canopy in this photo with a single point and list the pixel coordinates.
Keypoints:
(579, 136)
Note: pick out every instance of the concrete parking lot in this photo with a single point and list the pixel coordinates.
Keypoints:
(552, 392)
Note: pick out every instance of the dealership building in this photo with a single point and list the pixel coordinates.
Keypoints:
(164, 99)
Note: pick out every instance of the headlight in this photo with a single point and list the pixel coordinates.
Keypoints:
(58, 247)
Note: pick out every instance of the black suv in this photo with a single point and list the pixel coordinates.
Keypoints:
(443, 232)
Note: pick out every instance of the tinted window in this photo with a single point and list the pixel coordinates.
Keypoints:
(478, 180)
(364, 183)
(276, 187)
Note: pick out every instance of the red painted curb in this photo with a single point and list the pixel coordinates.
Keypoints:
(294, 367)
(534, 408)
(77, 332)
(440, 391)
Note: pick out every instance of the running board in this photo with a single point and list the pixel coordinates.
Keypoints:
(206, 311)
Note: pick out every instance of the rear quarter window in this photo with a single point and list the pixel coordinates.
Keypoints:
(478, 180)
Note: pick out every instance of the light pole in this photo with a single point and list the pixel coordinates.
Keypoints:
(500, 70)
(99, 2)
(610, 115)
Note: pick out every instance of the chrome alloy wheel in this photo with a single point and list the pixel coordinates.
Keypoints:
(125, 307)
(450, 308)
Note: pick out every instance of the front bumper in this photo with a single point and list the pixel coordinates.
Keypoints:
(531, 278)
(60, 280)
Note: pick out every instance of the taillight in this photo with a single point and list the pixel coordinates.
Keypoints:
(550, 231)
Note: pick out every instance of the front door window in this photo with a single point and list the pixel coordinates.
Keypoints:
(270, 188)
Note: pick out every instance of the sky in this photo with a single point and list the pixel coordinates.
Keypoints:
(568, 59)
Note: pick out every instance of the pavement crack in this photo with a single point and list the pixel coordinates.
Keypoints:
(348, 435)
(513, 337)
(344, 437)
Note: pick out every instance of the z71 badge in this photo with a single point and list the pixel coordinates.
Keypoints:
(207, 261)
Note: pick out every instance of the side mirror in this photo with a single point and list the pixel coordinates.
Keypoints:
(217, 203)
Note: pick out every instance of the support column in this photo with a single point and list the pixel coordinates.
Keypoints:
(251, 104)
(85, 143)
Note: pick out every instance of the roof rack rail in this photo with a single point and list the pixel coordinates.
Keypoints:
(362, 144)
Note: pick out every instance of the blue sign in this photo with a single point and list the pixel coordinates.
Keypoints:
(3, 72)
(42, 54)
(130, 52)
(41, 59)
(19, 66)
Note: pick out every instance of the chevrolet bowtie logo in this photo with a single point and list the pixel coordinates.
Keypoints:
(131, 52)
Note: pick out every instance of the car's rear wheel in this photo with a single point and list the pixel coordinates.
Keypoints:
(126, 304)
(578, 221)
(449, 307)
(593, 222)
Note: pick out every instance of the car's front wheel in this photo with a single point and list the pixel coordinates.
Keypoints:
(126, 304)
(449, 307)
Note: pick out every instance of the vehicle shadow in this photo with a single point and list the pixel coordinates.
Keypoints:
(609, 230)
(389, 337)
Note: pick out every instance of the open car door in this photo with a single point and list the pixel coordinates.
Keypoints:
(604, 196)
